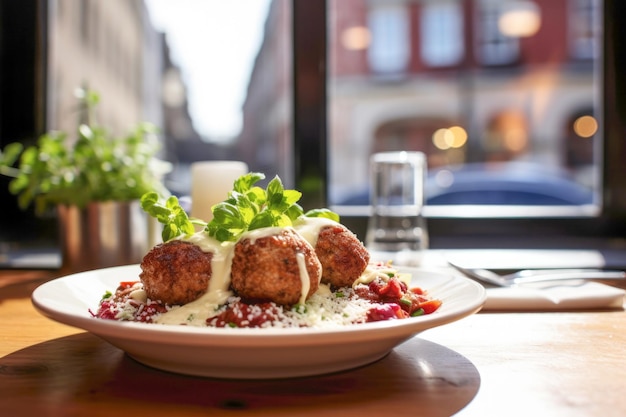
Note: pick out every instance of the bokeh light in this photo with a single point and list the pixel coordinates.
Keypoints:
(447, 138)
(520, 19)
(356, 38)
(585, 126)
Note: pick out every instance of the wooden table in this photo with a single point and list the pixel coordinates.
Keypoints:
(489, 364)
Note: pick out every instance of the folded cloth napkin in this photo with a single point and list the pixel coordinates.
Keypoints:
(553, 297)
(546, 296)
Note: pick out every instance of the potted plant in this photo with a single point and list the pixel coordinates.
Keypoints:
(94, 181)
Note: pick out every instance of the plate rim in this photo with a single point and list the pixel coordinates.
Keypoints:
(207, 336)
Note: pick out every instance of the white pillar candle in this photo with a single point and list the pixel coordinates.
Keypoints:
(210, 183)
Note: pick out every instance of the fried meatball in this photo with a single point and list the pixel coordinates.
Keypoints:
(266, 268)
(342, 255)
(176, 272)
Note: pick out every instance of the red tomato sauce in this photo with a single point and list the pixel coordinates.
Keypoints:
(391, 299)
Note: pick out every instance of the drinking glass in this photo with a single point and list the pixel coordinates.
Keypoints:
(397, 229)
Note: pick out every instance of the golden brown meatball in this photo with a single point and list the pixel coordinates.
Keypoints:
(342, 255)
(266, 268)
(176, 272)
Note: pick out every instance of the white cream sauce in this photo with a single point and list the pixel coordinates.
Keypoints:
(309, 227)
(199, 310)
(304, 278)
(372, 272)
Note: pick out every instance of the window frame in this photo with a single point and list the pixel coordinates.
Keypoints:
(23, 106)
(452, 230)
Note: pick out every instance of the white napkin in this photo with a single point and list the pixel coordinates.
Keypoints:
(587, 295)
(571, 295)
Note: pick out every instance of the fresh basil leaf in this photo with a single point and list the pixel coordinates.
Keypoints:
(323, 212)
(294, 212)
(261, 220)
(245, 182)
(282, 221)
(257, 196)
(225, 235)
(170, 214)
(275, 186)
(292, 196)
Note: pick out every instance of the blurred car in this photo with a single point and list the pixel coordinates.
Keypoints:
(497, 184)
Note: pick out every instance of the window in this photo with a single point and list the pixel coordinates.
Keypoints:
(214, 79)
(515, 118)
(583, 26)
(389, 49)
(535, 101)
(441, 33)
(535, 121)
(214, 76)
(494, 47)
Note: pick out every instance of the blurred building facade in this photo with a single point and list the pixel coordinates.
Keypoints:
(108, 47)
(403, 72)
(265, 142)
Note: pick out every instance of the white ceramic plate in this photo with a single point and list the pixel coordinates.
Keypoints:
(250, 353)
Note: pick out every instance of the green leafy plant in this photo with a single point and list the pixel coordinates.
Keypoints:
(248, 207)
(95, 166)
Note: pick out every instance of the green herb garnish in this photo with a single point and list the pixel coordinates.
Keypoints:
(250, 207)
(173, 217)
